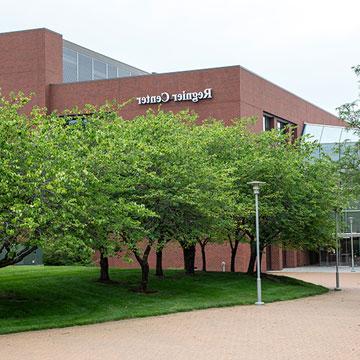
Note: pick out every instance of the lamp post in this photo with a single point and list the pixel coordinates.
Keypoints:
(256, 188)
(337, 288)
(352, 243)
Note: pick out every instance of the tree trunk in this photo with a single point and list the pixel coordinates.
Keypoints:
(252, 259)
(234, 248)
(159, 267)
(144, 275)
(203, 257)
(202, 244)
(144, 264)
(232, 262)
(104, 267)
(189, 259)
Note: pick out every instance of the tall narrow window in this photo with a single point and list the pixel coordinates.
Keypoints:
(112, 71)
(70, 65)
(99, 70)
(268, 122)
(85, 67)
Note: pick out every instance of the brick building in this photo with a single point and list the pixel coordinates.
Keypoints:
(64, 75)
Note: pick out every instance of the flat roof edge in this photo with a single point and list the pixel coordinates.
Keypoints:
(29, 30)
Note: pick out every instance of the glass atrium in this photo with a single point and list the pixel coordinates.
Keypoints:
(334, 140)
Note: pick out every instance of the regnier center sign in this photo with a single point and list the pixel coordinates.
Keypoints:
(165, 97)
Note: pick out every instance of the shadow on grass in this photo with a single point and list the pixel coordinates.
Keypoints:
(57, 297)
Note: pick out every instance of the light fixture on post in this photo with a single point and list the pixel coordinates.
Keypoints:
(352, 243)
(256, 188)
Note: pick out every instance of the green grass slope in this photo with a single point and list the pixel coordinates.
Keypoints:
(37, 297)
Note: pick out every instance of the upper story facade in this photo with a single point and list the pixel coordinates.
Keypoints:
(63, 75)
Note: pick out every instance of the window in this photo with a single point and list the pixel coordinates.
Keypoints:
(85, 67)
(281, 125)
(268, 122)
(123, 72)
(80, 66)
(274, 122)
(112, 71)
(99, 70)
(288, 128)
(313, 132)
(70, 65)
(329, 133)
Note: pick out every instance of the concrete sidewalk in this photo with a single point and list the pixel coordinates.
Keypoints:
(317, 269)
(320, 327)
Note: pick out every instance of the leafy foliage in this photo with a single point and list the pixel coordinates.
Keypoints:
(350, 160)
(295, 210)
(350, 112)
(67, 253)
(36, 181)
(179, 182)
(99, 183)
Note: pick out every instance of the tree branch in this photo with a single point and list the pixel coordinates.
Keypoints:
(20, 256)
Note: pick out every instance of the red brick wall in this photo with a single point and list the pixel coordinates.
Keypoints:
(225, 103)
(258, 95)
(302, 258)
(236, 92)
(30, 61)
(291, 258)
(276, 257)
(215, 255)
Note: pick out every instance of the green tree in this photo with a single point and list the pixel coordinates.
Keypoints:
(218, 145)
(350, 112)
(213, 195)
(36, 178)
(178, 184)
(108, 170)
(350, 159)
(295, 210)
(227, 147)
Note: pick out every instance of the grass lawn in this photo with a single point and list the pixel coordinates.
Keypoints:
(38, 297)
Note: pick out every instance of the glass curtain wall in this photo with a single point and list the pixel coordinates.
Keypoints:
(81, 67)
(334, 142)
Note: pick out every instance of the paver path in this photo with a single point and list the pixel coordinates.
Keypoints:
(320, 327)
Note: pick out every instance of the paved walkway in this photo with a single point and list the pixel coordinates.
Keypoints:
(319, 269)
(320, 327)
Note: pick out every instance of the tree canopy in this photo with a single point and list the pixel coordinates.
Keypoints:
(37, 179)
(350, 159)
(130, 187)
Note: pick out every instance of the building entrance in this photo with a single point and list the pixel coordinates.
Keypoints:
(327, 257)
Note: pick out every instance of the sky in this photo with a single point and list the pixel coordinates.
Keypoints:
(307, 46)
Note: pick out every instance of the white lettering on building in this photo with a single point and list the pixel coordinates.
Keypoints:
(165, 97)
